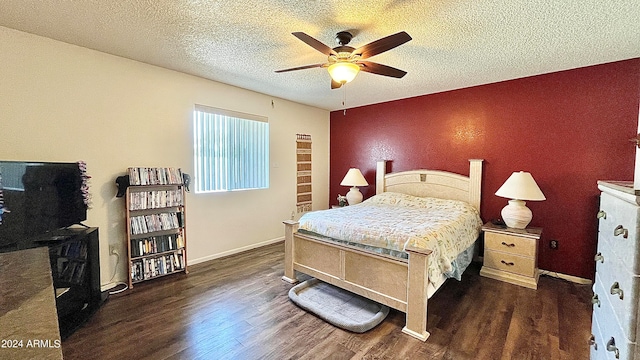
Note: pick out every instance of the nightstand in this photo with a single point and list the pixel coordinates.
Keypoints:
(511, 255)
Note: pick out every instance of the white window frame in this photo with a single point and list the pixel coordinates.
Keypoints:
(231, 150)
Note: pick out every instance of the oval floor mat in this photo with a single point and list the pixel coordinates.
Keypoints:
(337, 306)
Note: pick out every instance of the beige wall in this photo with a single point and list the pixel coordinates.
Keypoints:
(60, 102)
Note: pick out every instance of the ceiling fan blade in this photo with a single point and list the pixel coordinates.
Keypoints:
(380, 69)
(335, 84)
(301, 68)
(314, 43)
(382, 45)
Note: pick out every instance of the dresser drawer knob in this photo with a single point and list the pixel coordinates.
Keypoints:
(611, 346)
(507, 263)
(615, 290)
(592, 341)
(602, 214)
(619, 230)
(599, 257)
(508, 245)
(595, 300)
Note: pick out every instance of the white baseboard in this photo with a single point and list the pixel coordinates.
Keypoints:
(573, 279)
(234, 251)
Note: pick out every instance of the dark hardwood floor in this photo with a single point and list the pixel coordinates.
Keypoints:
(238, 308)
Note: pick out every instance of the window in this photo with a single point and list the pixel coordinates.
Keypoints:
(231, 150)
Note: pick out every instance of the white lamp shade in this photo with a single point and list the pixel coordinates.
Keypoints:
(354, 178)
(521, 186)
(343, 72)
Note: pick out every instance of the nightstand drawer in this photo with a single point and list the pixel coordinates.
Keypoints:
(511, 244)
(508, 262)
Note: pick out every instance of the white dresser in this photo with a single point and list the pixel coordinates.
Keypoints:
(616, 302)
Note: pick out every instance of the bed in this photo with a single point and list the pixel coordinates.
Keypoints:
(404, 279)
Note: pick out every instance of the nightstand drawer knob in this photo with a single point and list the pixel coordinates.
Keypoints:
(592, 341)
(507, 263)
(619, 230)
(602, 214)
(615, 290)
(611, 346)
(508, 245)
(599, 257)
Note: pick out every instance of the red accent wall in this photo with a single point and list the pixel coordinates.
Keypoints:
(569, 129)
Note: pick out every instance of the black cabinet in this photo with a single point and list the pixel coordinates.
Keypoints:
(75, 266)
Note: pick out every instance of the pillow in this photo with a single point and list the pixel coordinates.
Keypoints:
(398, 199)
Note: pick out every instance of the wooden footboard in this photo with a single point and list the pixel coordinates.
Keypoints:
(399, 284)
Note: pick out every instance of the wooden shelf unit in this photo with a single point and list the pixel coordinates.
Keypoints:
(156, 231)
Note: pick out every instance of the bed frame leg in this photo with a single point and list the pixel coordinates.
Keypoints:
(417, 282)
(290, 227)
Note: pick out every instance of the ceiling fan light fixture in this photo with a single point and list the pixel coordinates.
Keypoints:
(343, 72)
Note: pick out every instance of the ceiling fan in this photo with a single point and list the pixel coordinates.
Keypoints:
(344, 62)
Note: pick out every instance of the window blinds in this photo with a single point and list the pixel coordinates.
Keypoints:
(231, 150)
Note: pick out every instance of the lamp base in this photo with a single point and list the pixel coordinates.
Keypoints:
(516, 215)
(354, 196)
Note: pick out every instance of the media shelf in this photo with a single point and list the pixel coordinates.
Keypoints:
(155, 221)
(75, 269)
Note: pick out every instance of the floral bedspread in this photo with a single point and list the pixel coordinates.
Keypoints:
(394, 221)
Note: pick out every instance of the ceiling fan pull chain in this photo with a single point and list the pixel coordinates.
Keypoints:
(344, 100)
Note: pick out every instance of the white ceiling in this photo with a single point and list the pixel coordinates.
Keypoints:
(455, 44)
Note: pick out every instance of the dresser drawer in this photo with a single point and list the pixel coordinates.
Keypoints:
(511, 244)
(609, 325)
(624, 215)
(624, 311)
(508, 262)
(598, 350)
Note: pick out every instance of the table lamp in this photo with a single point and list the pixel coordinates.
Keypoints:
(354, 179)
(518, 187)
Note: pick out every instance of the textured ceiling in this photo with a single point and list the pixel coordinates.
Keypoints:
(455, 43)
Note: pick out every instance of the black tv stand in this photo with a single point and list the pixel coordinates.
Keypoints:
(75, 266)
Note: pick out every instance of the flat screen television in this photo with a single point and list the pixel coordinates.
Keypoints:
(37, 198)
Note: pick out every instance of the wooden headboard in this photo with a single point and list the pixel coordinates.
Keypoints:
(433, 183)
